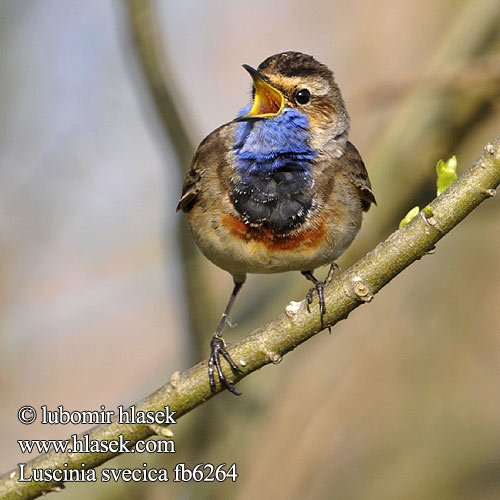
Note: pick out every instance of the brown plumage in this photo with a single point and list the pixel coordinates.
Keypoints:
(298, 216)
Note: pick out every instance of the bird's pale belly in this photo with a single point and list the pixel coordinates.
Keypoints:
(240, 249)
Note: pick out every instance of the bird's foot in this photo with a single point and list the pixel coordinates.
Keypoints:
(319, 288)
(218, 347)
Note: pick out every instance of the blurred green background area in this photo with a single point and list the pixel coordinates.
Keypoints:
(103, 295)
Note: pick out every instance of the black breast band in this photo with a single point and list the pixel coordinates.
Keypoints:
(279, 200)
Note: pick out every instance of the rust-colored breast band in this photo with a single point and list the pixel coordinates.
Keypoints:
(310, 238)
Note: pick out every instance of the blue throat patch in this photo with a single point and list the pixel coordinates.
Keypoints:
(264, 146)
(273, 161)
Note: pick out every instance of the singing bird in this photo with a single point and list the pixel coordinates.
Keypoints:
(280, 188)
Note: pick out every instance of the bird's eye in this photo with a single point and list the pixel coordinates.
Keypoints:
(303, 96)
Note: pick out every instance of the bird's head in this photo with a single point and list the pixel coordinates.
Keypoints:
(292, 80)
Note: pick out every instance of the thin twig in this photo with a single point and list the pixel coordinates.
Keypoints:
(270, 343)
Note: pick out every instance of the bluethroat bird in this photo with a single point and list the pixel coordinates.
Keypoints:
(280, 188)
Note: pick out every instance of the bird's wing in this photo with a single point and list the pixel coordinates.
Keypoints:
(191, 186)
(207, 165)
(358, 176)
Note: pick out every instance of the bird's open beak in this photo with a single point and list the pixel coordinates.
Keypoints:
(268, 101)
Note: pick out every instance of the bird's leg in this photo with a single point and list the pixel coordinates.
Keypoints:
(218, 347)
(333, 267)
(318, 286)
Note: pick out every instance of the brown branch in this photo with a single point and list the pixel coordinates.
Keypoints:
(268, 344)
(152, 57)
(148, 43)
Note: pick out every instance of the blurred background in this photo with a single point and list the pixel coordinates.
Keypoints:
(103, 294)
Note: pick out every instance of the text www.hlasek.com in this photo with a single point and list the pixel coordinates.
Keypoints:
(86, 445)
